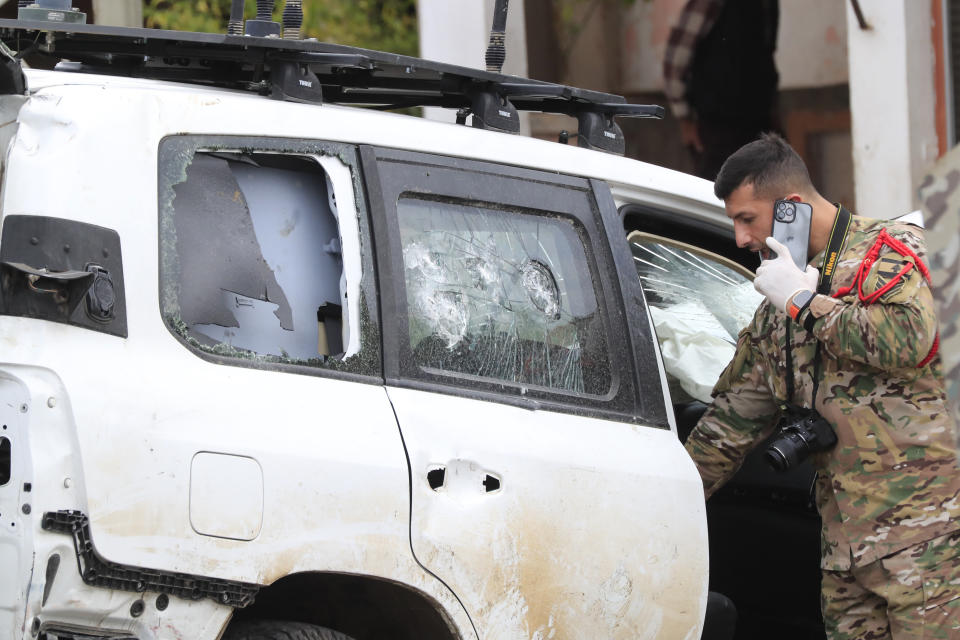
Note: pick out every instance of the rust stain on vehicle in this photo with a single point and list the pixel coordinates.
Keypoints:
(625, 584)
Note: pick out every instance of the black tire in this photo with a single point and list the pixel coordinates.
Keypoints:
(280, 630)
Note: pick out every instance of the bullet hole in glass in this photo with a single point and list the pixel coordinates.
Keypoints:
(501, 294)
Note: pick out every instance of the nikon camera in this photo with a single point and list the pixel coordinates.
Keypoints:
(801, 432)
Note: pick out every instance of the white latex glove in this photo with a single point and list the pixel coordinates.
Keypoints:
(779, 279)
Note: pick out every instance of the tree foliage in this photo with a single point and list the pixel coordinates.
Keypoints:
(385, 25)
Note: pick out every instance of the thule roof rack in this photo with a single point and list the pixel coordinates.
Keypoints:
(316, 72)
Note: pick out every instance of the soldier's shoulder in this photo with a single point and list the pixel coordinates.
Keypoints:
(868, 229)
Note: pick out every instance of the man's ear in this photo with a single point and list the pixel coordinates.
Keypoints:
(793, 197)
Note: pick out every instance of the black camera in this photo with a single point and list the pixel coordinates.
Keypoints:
(801, 432)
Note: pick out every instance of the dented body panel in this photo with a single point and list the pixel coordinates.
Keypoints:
(590, 532)
(597, 528)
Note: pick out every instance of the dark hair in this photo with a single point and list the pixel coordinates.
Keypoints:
(769, 164)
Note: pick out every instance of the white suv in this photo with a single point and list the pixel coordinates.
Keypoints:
(273, 369)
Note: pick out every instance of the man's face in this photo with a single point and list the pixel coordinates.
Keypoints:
(752, 219)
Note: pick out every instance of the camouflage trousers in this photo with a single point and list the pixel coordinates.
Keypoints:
(914, 593)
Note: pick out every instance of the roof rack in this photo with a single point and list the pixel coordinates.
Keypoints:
(316, 72)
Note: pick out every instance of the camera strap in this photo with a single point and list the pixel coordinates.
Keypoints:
(841, 224)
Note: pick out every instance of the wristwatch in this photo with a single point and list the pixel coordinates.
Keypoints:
(798, 304)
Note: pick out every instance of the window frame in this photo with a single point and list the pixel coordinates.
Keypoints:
(392, 174)
(703, 254)
(707, 235)
(175, 153)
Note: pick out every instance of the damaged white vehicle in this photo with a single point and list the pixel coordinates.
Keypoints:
(278, 368)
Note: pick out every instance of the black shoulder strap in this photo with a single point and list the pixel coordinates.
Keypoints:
(838, 234)
(841, 225)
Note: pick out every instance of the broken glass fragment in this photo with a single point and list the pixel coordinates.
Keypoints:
(699, 302)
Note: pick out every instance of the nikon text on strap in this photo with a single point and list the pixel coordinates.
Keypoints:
(841, 225)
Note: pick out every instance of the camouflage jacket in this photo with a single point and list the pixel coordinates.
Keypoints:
(940, 196)
(892, 479)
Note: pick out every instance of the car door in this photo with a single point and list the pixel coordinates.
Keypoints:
(547, 489)
(699, 302)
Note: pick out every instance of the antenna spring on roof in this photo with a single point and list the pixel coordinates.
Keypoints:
(497, 50)
(265, 9)
(235, 26)
(292, 19)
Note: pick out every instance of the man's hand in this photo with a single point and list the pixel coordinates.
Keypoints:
(690, 135)
(780, 279)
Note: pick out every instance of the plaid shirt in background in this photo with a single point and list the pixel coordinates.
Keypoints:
(695, 21)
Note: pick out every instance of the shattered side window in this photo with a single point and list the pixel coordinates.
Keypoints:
(699, 302)
(266, 266)
(501, 294)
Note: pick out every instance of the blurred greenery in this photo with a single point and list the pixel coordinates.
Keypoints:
(385, 25)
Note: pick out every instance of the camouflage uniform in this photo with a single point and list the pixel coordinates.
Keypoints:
(909, 594)
(891, 482)
(940, 197)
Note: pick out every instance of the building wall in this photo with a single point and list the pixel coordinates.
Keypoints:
(119, 13)
(811, 50)
(812, 44)
(458, 31)
(829, 67)
(811, 57)
(893, 96)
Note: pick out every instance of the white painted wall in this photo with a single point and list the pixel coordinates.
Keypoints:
(811, 50)
(812, 44)
(458, 31)
(646, 27)
(119, 13)
(892, 102)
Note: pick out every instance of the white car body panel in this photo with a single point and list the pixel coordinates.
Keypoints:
(323, 447)
(512, 553)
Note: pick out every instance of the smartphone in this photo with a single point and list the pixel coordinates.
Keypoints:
(791, 228)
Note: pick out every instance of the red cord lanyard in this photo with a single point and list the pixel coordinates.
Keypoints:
(885, 239)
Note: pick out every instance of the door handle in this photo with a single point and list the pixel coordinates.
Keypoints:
(435, 478)
(463, 475)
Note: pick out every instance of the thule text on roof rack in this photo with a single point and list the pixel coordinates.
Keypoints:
(313, 72)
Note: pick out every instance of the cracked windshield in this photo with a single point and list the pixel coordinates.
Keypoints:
(501, 294)
(699, 303)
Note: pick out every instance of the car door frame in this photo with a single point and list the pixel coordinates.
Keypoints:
(618, 292)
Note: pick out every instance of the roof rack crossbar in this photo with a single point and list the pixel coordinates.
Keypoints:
(316, 72)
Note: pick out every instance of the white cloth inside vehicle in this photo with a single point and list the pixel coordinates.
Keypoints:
(694, 345)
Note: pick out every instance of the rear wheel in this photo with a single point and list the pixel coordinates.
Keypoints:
(280, 630)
